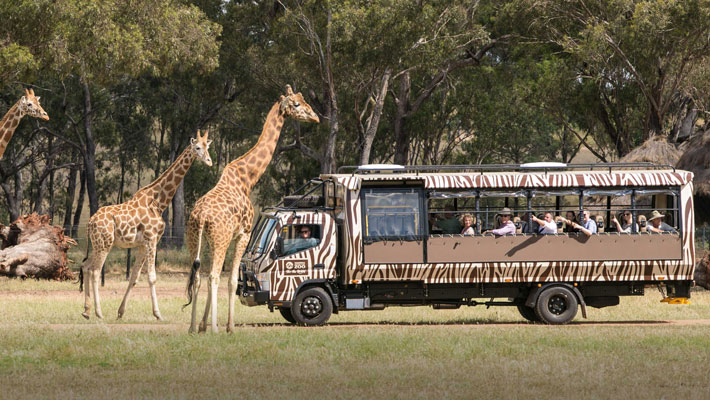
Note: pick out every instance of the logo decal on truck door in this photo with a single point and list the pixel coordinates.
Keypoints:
(295, 267)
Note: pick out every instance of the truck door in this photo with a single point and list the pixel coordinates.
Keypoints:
(392, 225)
(306, 250)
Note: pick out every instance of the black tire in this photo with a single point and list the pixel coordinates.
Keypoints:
(286, 313)
(312, 307)
(527, 312)
(556, 305)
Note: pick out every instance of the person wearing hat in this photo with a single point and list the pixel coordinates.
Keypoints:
(657, 224)
(506, 225)
(547, 225)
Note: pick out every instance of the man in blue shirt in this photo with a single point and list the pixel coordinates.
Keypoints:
(589, 226)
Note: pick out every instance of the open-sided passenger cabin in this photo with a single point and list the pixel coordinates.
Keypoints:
(413, 218)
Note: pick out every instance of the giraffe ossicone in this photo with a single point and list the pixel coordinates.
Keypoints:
(27, 105)
(225, 213)
(137, 223)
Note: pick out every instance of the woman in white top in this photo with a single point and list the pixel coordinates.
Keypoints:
(467, 221)
(547, 225)
(627, 226)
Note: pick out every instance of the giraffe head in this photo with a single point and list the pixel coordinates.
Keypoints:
(293, 106)
(200, 147)
(29, 105)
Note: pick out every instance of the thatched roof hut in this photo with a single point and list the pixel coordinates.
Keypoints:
(656, 150)
(696, 158)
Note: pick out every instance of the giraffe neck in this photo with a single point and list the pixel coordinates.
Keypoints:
(164, 187)
(245, 171)
(8, 124)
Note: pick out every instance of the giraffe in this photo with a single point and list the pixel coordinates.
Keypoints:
(136, 223)
(226, 213)
(27, 105)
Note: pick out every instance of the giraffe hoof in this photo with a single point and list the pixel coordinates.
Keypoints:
(99, 316)
(158, 317)
(85, 315)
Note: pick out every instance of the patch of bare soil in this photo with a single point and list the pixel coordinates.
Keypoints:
(161, 326)
(112, 292)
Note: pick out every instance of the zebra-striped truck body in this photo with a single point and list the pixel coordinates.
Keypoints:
(379, 242)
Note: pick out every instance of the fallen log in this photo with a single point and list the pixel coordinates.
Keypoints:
(702, 272)
(32, 248)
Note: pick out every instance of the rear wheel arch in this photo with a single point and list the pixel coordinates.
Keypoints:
(536, 291)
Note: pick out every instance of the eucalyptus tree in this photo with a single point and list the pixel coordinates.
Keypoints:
(631, 55)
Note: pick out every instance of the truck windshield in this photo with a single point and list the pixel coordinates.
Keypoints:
(261, 235)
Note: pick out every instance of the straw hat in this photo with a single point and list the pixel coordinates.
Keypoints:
(506, 211)
(655, 214)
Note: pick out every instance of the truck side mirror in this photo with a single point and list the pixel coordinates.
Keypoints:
(278, 248)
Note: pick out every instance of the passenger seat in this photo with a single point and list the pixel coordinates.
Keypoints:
(600, 223)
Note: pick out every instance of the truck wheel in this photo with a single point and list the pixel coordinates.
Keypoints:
(286, 313)
(527, 312)
(556, 305)
(312, 307)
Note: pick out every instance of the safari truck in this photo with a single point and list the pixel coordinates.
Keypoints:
(390, 235)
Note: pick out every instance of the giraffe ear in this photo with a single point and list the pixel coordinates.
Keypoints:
(209, 142)
(38, 98)
(193, 140)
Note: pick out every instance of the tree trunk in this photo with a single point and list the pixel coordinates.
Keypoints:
(32, 248)
(401, 138)
(90, 153)
(329, 161)
(178, 229)
(79, 204)
(69, 202)
(374, 120)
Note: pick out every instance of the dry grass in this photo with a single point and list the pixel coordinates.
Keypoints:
(49, 351)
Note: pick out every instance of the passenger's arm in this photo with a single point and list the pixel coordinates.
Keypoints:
(577, 226)
(616, 222)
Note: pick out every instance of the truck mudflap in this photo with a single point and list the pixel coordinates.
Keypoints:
(249, 290)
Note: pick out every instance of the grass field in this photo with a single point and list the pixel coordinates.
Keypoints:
(47, 350)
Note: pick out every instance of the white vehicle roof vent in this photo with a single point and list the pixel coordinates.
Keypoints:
(380, 167)
(544, 164)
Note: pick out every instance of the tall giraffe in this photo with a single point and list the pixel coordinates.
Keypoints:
(226, 212)
(27, 105)
(137, 223)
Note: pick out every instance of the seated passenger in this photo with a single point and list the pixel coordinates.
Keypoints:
(467, 220)
(506, 225)
(589, 228)
(570, 216)
(657, 224)
(528, 227)
(627, 225)
(302, 242)
(448, 223)
(547, 225)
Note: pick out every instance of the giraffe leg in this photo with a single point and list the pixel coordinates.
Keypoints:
(234, 273)
(152, 278)
(95, 281)
(135, 273)
(208, 303)
(217, 262)
(195, 290)
(85, 269)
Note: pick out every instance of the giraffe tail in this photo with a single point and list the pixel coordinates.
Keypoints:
(195, 267)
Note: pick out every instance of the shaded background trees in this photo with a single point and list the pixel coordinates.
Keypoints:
(436, 82)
